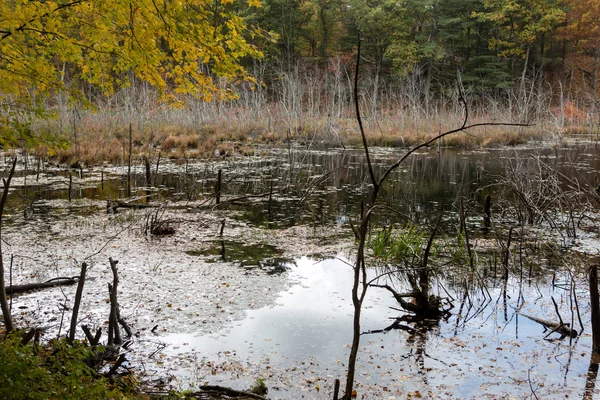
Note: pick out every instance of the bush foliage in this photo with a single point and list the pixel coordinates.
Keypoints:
(56, 371)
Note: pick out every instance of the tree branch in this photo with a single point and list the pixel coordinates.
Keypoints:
(47, 14)
(464, 127)
(358, 117)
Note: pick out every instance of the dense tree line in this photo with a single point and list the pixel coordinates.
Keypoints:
(528, 60)
(497, 48)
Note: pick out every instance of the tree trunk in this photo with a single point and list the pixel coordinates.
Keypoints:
(595, 308)
(357, 300)
(523, 90)
(592, 374)
(77, 303)
(8, 323)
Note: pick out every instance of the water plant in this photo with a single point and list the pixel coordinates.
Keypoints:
(402, 245)
(259, 387)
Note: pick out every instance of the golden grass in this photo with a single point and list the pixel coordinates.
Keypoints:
(105, 139)
(582, 130)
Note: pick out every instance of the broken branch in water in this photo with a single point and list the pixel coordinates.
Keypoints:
(230, 392)
(113, 205)
(564, 329)
(14, 289)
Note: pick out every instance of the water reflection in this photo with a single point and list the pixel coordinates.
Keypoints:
(310, 322)
(592, 375)
(316, 187)
(303, 337)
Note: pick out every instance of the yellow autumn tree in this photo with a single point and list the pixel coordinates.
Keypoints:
(178, 46)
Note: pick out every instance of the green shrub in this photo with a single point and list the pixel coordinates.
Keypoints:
(57, 371)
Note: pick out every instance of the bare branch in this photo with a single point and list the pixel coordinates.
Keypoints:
(360, 124)
(441, 135)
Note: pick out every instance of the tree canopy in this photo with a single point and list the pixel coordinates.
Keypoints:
(86, 49)
(176, 46)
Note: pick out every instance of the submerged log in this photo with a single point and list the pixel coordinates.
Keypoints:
(231, 393)
(15, 289)
(397, 324)
(564, 329)
(113, 205)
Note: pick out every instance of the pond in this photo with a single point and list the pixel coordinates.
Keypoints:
(299, 346)
(259, 285)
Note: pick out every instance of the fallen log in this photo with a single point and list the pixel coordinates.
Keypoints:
(232, 393)
(15, 289)
(113, 205)
(564, 329)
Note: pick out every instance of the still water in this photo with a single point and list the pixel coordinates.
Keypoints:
(298, 342)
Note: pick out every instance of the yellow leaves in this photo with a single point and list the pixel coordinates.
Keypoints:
(160, 41)
(528, 18)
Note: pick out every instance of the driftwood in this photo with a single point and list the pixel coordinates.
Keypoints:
(114, 335)
(113, 205)
(230, 393)
(33, 334)
(564, 329)
(116, 366)
(14, 289)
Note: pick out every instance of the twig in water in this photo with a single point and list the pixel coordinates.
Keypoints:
(530, 385)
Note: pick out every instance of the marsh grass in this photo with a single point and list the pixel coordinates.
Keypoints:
(99, 142)
(300, 107)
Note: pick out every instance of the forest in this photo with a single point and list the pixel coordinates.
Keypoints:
(321, 199)
(267, 68)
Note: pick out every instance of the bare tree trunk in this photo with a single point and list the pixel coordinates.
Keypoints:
(8, 323)
(360, 272)
(523, 103)
(592, 375)
(114, 334)
(325, 28)
(359, 267)
(77, 303)
(595, 308)
(357, 301)
(129, 161)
